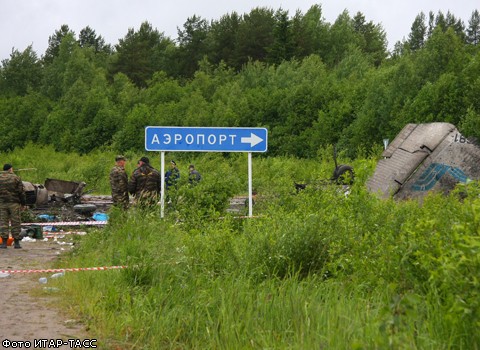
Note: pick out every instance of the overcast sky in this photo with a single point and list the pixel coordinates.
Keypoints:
(31, 22)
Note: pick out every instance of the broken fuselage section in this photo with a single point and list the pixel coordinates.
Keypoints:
(53, 190)
(60, 198)
(423, 158)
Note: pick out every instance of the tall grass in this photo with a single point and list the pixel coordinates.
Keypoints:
(319, 269)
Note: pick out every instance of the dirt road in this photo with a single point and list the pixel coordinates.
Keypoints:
(28, 311)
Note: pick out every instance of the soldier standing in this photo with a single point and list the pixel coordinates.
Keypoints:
(194, 176)
(172, 176)
(119, 183)
(12, 199)
(145, 183)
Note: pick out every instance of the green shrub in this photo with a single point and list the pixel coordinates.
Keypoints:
(323, 267)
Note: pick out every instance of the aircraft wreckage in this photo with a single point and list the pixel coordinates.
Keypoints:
(65, 200)
(423, 158)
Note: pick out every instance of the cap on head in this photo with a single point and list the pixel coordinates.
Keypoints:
(145, 160)
(191, 166)
(173, 162)
(120, 157)
(7, 167)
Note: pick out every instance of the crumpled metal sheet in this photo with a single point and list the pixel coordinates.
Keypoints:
(425, 157)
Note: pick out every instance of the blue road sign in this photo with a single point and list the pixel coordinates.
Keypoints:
(203, 139)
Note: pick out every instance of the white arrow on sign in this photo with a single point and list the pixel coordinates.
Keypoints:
(252, 140)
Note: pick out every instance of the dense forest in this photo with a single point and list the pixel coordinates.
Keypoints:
(310, 82)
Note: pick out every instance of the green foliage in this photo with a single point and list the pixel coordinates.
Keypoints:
(311, 83)
(192, 46)
(327, 265)
(54, 42)
(470, 124)
(298, 245)
(222, 39)
(308, 32)
(404, 273)
(22, 119)
(207, 198)
(58, 77)
(140, 54)
(282, 47)
(22, 72)
(92, 168)
(134, 125)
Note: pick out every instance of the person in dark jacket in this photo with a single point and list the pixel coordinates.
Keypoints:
(119, 183)
(194, 176)
(145, 183)
(172, 176)
(12, 199)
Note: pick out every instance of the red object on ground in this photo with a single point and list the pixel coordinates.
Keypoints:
(9, 241)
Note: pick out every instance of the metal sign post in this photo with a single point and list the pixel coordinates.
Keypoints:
(203, 139)
(250, 202)
(162, 185)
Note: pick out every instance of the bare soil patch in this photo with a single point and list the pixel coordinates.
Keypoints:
(28, 310)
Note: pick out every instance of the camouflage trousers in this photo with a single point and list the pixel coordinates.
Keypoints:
(10, 220)
(120, 200)
(147, 200)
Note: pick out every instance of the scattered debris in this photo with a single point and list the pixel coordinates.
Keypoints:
(60, 200)
(58, 274)
(237, 205)
(343, 175)
(53, 190)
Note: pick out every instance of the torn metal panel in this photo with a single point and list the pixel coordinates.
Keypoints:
(426, 137)
(64, 189)
(402, 136)
(392, 172)
(425, 157)
(35, 193)
(53, 190)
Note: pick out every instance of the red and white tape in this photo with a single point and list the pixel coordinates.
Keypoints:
(67, 223)
(72, 269)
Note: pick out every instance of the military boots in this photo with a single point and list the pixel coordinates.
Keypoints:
(16, 244)
(4, 243)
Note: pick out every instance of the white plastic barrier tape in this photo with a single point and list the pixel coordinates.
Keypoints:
(73, 269)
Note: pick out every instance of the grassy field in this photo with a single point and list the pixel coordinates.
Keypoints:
(319, 269)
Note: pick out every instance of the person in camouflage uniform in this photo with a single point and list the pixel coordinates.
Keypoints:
(12, 199)
(145, 183)
(119, 183)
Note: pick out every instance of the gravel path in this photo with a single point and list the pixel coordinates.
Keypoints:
(28, 312)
